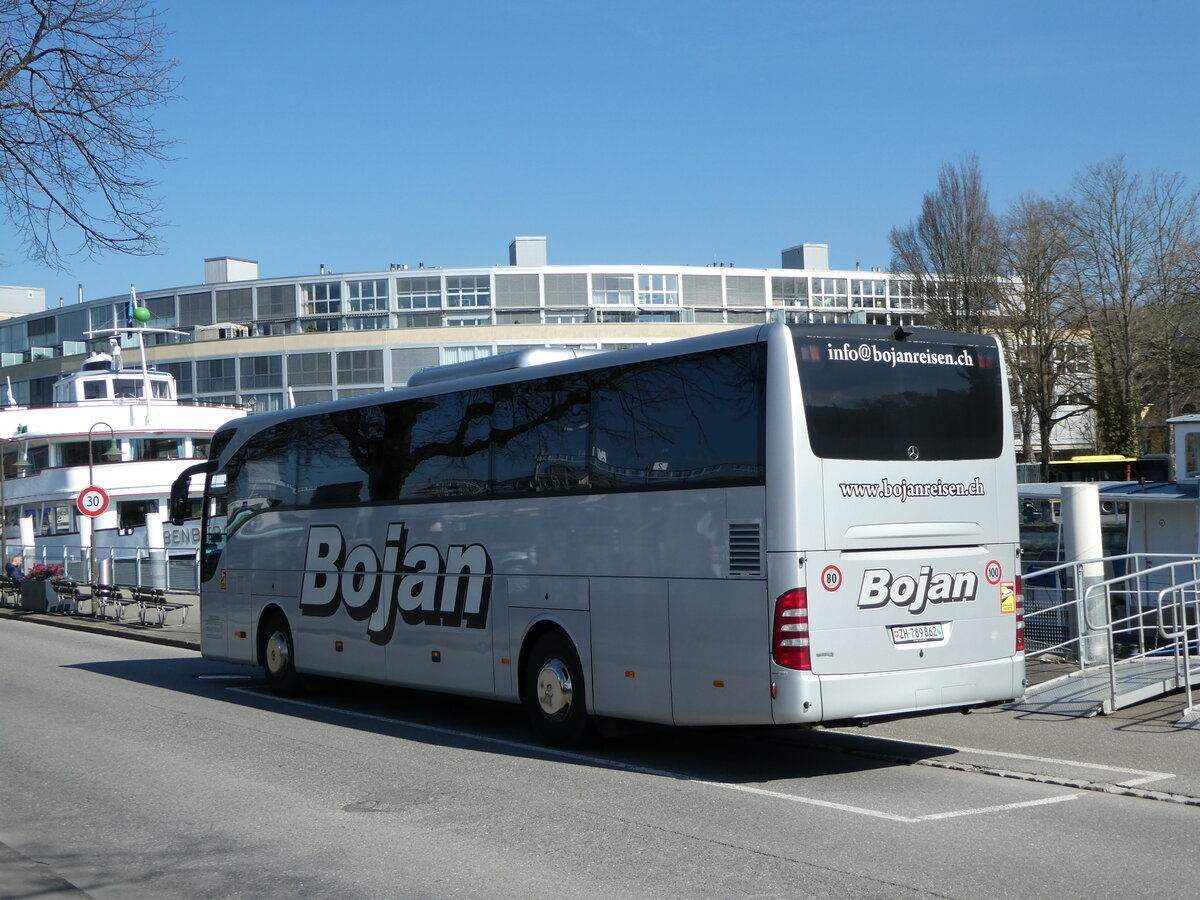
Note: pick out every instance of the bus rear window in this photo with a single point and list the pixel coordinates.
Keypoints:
(882, 399)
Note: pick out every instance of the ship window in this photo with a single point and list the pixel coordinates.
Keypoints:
(132, 513)
(127, 388)
(95, 390)
(157, 448)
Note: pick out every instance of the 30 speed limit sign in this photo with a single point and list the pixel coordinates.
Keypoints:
(92, 500)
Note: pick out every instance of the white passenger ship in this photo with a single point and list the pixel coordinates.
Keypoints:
(120, 429)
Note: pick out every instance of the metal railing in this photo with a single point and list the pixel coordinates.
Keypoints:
(134, 567)
(1143, 606)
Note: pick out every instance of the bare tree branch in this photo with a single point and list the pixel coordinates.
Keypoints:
(79, 82)
(952, 250)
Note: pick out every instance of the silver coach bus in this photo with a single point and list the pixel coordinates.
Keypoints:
(780, 524)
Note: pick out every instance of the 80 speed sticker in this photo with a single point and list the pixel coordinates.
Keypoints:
(831, 578)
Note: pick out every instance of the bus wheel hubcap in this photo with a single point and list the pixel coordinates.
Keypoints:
(278, 653)
(554, 690)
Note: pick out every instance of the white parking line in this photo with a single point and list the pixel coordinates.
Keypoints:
(604, 762)
(1146, 776)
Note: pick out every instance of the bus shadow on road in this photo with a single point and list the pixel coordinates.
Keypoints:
(738, 755)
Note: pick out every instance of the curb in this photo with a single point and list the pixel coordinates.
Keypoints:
(126, 632)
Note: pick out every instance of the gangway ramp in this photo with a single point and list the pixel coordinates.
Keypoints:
(1131, 625)
(1087, 692)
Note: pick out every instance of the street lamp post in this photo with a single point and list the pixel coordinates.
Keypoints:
(112, 454)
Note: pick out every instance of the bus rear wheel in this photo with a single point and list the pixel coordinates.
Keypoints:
(278, 657)
(554, 693)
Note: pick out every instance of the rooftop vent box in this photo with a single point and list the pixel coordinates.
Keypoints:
(227, 268)
(527, 251)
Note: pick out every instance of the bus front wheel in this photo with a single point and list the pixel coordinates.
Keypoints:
(278, 657)
(554, 694)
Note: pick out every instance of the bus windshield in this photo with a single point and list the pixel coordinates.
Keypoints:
(923, 398)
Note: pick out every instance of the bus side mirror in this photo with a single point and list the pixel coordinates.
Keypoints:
(178, 506)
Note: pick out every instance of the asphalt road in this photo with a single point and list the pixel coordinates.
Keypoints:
(132, 770)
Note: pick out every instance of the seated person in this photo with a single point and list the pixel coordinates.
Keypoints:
(16, 568)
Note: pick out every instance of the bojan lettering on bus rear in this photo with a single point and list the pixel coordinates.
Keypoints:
(880, 587)
(418, 582)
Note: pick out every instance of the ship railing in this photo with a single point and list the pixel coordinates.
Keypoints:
(132, 567)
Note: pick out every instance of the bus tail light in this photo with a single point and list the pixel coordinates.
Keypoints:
(1020, 617)
(789, 636)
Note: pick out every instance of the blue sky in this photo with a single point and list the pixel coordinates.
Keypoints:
(364, 133)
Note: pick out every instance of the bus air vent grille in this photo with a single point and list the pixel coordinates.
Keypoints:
(745, 549)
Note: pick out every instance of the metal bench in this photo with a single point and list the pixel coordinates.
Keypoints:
(153, 601)
(109, 597)
(69, 598)
(10, 591)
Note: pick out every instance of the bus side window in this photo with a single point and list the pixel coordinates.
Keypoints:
(540, 437)
(449, 454)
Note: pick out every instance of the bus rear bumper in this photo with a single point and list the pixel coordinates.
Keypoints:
(801, 697)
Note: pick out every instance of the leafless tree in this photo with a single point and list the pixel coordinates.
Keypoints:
(952, 250)
(1046, 350)
(1133, 238)
(79, 81)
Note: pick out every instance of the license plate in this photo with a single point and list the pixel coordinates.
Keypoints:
(912, 634)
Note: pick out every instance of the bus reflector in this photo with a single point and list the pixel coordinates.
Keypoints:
(1020, 617)
(789, 636)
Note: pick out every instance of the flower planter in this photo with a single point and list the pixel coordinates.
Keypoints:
(38, 596)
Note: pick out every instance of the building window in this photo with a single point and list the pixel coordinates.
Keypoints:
(745, 290)
(787, 290)
(305, 398)
(235, 306)
(410, 359)
(266, 329)
(616, 315)
(419, 293)
(468, 290)
(259, 372)
(702, 290)
(516, 291)
(419, 320)
(321, 299)
(162, 311)
(366, 323)
(367, 296)
(612, 290)
(312, 326)
(102, 317)
(42, 332)
(868, 293)
(567, 316)
(277, 301)
(566, 290)
(195, 309)
(182, 373)
(263, 402)
(524, 317)
(658, 290)
(900, 294)
(829, 292)
(460, 321)
(360, 367)
(663, 315)
(464, 354)
(307, 369)
(214, 375)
